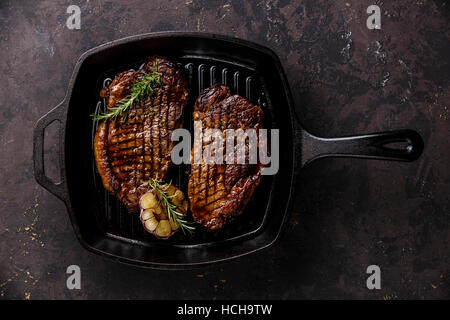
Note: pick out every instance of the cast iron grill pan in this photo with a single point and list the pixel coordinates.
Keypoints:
(103, 225)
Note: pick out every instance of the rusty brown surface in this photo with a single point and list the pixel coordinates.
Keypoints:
(348, 214)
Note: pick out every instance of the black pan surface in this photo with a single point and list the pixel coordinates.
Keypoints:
(105, 227)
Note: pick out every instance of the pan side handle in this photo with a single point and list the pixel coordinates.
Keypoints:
(59, 189)
(382, 146)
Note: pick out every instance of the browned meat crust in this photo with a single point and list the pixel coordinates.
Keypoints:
(129, 152)
(220, 192)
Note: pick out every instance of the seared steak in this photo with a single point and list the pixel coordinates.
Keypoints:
(220, 192)
(129, 150)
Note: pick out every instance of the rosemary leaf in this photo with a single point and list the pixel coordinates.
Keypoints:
(139, 91)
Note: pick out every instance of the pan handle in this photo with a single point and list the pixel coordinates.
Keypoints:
(58, 189)
(373, 146)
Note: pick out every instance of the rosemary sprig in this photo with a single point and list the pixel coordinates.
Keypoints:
(139, 91)
(161, 188)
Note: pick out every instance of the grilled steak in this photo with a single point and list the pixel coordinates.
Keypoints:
(131, 149)
(220, 192)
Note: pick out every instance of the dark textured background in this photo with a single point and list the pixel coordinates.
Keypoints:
(347, 214)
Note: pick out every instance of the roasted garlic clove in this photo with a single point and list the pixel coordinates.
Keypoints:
(151, 224)
(160, 210)
(178, 197)
(148, 200)
(170, 189)
(174, 225)
(164, 229)
(185, 206)
(147, 214)
(156, 217)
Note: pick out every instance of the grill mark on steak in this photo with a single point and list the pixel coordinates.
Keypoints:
(219, 192)
(129, 152)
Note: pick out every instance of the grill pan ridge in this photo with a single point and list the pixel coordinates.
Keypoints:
(103, 225)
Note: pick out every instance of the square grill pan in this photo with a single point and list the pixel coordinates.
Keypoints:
(102, 224)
